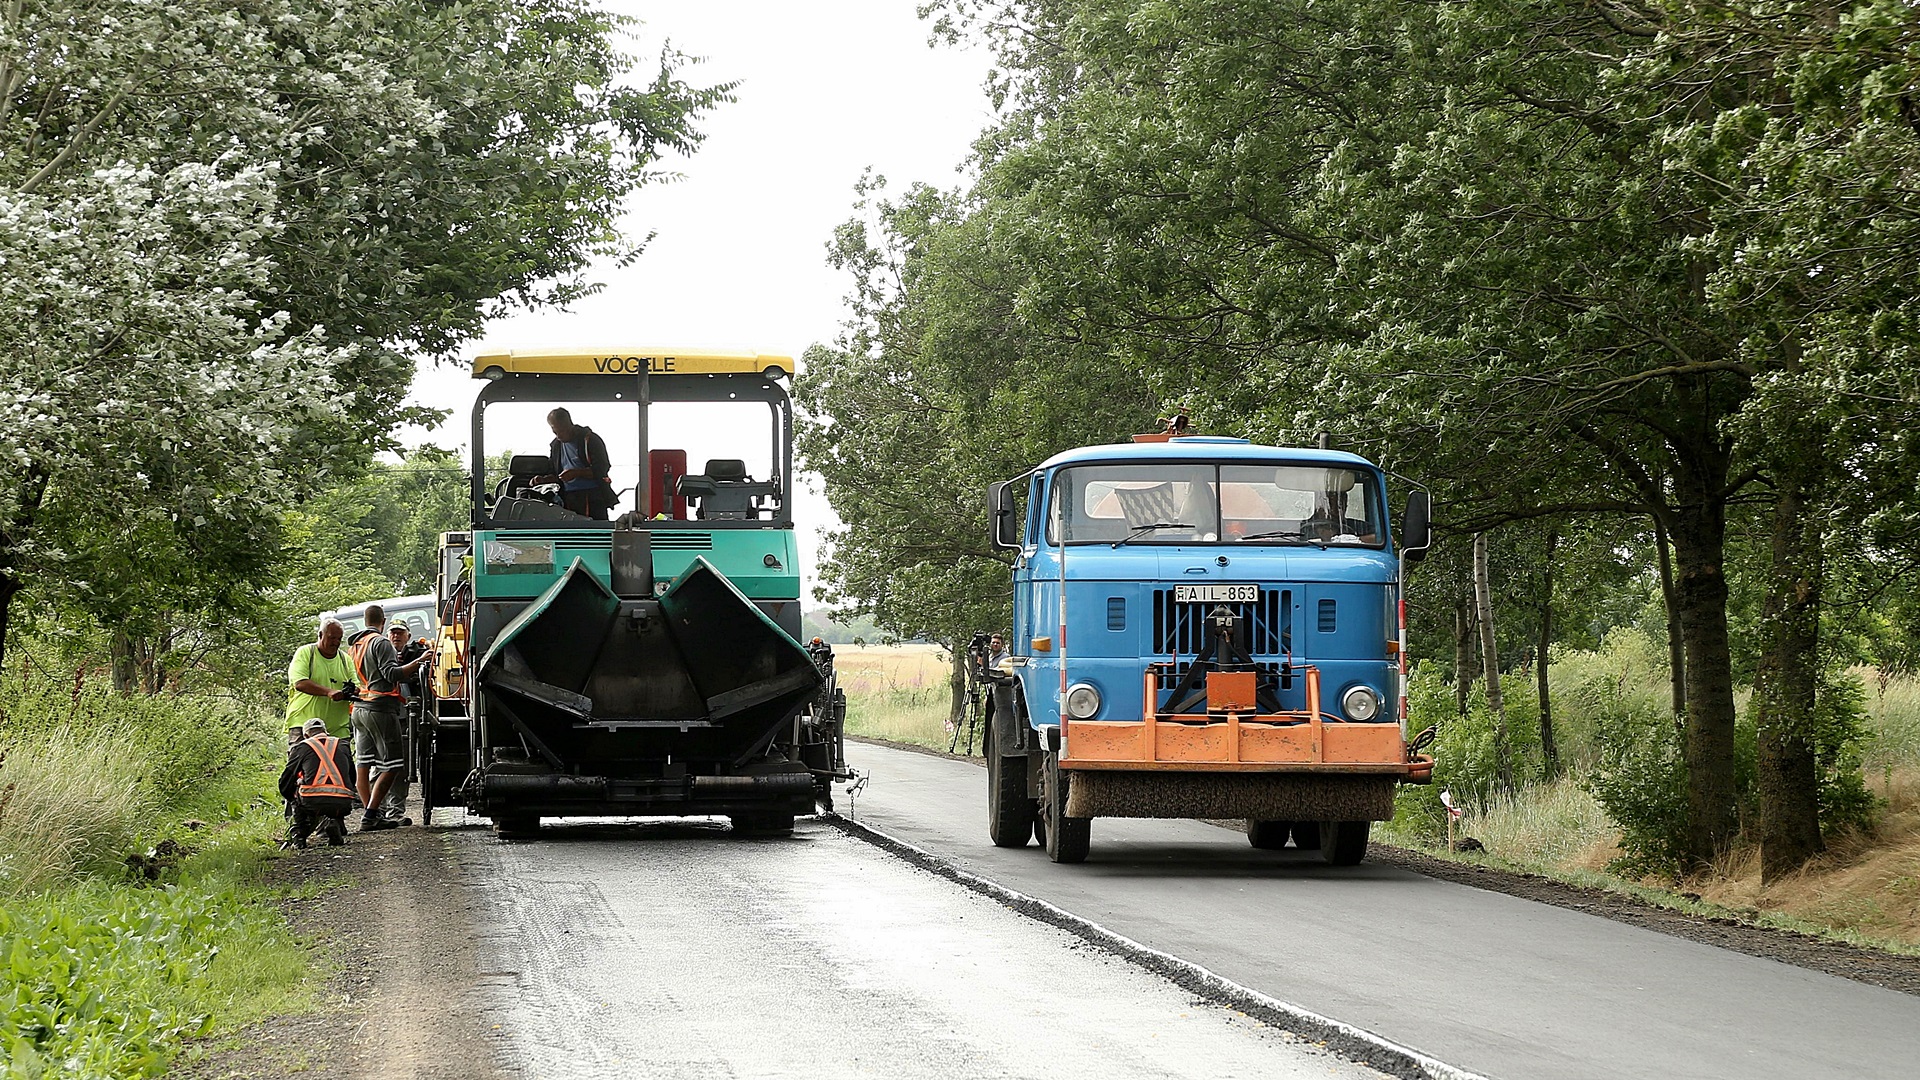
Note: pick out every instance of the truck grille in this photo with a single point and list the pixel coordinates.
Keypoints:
(1265, 627)
(679, 541)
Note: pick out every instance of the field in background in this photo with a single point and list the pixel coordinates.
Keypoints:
(896, 692)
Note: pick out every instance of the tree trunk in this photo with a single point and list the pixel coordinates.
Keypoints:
(9, 588)
(125, 670)
(33, 490)
(1490, 658)
(1676, 658)
(1462, 653)
(1785, 684)
(1698, 529)
(1549, 753)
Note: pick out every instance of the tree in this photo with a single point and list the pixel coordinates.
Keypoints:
(934, 392)
(226, 228)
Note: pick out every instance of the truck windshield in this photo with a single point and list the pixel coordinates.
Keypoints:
(1230, 504)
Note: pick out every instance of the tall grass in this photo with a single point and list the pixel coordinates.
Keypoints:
(896, 693)
(69, 803)
(101, 973)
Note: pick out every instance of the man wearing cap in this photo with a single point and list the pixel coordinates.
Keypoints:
(316, 784)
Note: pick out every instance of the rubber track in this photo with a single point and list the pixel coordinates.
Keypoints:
(1352, 1043)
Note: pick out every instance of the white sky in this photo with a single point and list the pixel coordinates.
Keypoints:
(738, 261)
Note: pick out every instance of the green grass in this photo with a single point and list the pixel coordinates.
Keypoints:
(108, 978)
(104, 973)
(914, 715)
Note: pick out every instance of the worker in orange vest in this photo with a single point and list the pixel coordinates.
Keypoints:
(316, 784)
(379, 717)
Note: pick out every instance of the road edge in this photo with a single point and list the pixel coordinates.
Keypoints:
(1354, 1043)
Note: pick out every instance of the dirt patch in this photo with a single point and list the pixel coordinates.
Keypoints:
(411, 1001)
(1901, 973)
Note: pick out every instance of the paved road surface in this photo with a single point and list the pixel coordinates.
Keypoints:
(1486, 982)
(674, 950)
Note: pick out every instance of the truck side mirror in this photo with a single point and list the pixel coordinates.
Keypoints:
(1416, 528)
(1004, 526)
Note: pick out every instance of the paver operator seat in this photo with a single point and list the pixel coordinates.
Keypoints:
(725, 491)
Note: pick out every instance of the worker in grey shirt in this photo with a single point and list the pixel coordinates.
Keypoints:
(378, 718)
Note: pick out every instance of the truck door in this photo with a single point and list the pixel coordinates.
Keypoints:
(1036, 599)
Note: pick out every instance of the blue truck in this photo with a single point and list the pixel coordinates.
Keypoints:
(1203, 627)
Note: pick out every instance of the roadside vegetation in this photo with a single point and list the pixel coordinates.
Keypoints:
(896, 693)
(131, 832)
(1620, 284)
(210, 316)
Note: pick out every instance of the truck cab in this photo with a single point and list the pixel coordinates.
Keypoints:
(1203, 627)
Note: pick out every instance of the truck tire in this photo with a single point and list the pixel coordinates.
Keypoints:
(1010, 812)
(1068, 838)
(1306, 835)
(1344, 843)
(1268, 835)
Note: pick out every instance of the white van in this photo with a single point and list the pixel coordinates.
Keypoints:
(416, 613)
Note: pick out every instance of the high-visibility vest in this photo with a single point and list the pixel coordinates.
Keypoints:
(357, 652)
(326, 778)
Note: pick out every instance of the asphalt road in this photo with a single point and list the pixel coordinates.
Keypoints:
(1485, 982)
(676, 950)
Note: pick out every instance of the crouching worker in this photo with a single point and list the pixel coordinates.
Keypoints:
(316, 783)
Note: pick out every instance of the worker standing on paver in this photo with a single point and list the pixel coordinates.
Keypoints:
(378, 717)
(318, 682)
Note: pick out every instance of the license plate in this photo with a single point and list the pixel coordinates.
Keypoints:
(1216, 594)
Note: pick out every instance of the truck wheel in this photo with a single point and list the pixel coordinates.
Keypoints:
(1268, 835)
(763, 824)
(1068, 838)
(1010, 813)
(1306, 835)
(1344, 843)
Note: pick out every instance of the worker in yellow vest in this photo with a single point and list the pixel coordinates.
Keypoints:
(378, 718)
(315, 784)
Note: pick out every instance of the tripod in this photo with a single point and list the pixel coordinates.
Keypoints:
(969, 727)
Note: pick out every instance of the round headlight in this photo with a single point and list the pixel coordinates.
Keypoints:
(1361, 704)
(1083, 701)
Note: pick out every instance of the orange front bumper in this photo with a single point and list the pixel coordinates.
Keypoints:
(1230, 737)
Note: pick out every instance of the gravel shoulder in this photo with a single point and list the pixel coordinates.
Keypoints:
(409, 1001)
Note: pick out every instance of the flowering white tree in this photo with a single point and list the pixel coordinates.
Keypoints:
(228, 226)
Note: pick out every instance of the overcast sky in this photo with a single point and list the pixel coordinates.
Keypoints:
(827, 90)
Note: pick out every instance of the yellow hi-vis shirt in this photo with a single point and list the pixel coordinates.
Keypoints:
(333, 673)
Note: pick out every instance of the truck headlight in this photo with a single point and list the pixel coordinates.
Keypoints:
(1360, 704)
(1083, 701)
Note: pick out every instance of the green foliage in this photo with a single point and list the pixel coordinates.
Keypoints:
(101, 975)
(1841, 731)
(1465, 758)
(95, 773)
(225, 238)
(107, 981)
(1640, 779)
